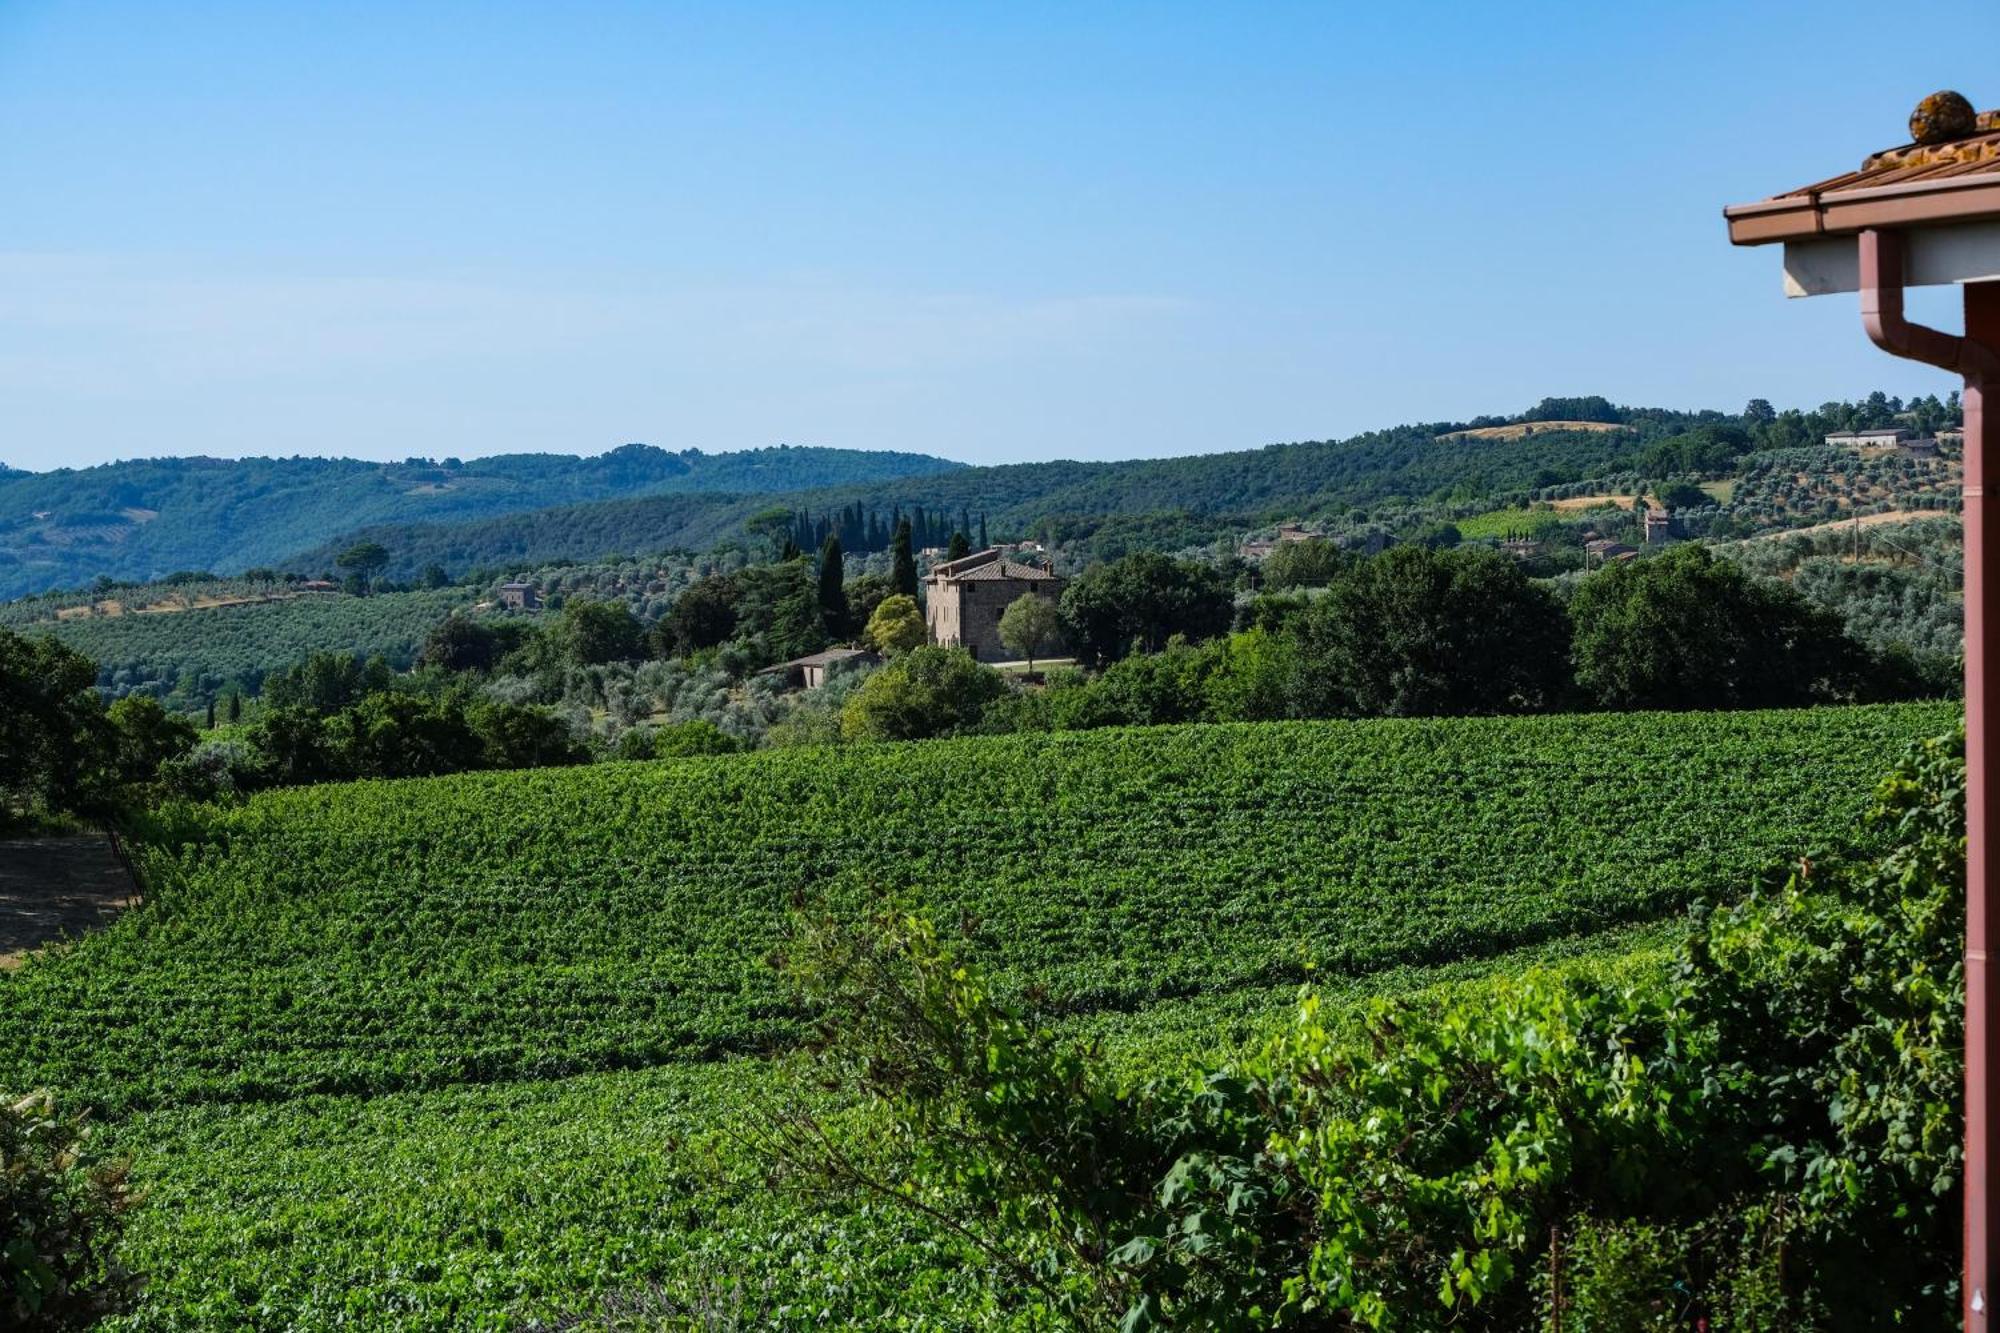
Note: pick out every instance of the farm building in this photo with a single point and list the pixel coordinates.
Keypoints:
(1880, 437)
(813, 670)
(1659, 525)
(520, 597)
(319, 585)
(967, 597)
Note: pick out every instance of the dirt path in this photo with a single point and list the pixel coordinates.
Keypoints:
(52, 887)
(1837, 524)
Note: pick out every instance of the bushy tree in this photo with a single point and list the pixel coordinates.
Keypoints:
(1143, 600)
(460, 643)
(927, 691)
(1031, 626)
(363, 561)
(703, 616)
(594, 632)
(864, 593)
(1690, 630)
(1418, 632)
(326, 682)
(1312, 563)
(50, 718)
(523, 736)
(897, 626)
(679, 740)
(143, 738)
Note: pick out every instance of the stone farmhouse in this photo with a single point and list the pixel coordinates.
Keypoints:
(520, 597)
(967, 596)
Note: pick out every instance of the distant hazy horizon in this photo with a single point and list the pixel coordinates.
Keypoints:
(992, 235)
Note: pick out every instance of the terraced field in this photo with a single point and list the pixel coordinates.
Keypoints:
(475, 1051)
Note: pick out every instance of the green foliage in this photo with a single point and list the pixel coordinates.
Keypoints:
(835, 617)
(680, 740)
(1031, 626)
(1794, 1087)
(1142, 601)
(897, 625)
(131, 519)
(704, 616)
(364, 560)
(392, 733)
(195, 655)
(62, 1211)
(1417, 632)
(1312, 563)
(903, 563)
(592, 633)
(926, 691)
(49, 717)
(1686, 630)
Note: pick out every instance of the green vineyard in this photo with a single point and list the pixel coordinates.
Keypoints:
(462, 1052)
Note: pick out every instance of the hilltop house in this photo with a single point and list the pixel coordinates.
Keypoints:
(520, 597)
(967, 596)
(1878, 437)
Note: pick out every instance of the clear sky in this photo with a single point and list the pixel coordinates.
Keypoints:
(994, 232)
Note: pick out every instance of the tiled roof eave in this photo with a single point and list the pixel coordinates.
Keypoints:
(1966, 193)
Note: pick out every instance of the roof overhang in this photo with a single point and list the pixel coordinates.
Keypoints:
(1942, 199)
(1934, 256)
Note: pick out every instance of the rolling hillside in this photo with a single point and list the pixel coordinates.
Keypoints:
(147, 518)
(482, 1050)
(1211, 494)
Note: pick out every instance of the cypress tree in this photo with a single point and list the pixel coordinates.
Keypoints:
(961, 546)
(904, 572)
(833, 610)
(982, 532)
(235, 706)
(211, 715)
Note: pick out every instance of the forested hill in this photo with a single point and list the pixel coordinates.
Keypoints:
(1191, 498)
(147, 518)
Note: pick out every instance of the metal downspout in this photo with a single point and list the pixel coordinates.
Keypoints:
(1973, 356)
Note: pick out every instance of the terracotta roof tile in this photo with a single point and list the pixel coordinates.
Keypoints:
(1955, 181)
(1001, 569)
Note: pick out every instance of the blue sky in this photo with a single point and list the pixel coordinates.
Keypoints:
(996, 233)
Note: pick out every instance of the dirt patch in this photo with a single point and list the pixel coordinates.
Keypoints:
(1521, 428)
(1864, 521)
(52, 888)
(1575, 502)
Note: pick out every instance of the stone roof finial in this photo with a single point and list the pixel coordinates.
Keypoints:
(1942, 117)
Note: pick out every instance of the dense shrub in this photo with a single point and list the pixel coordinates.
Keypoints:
(62, 1209)
(927, 691)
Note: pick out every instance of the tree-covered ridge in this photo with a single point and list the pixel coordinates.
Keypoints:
(144, 518)
(1402, 482)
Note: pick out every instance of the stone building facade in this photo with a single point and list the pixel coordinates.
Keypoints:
(965, 599)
